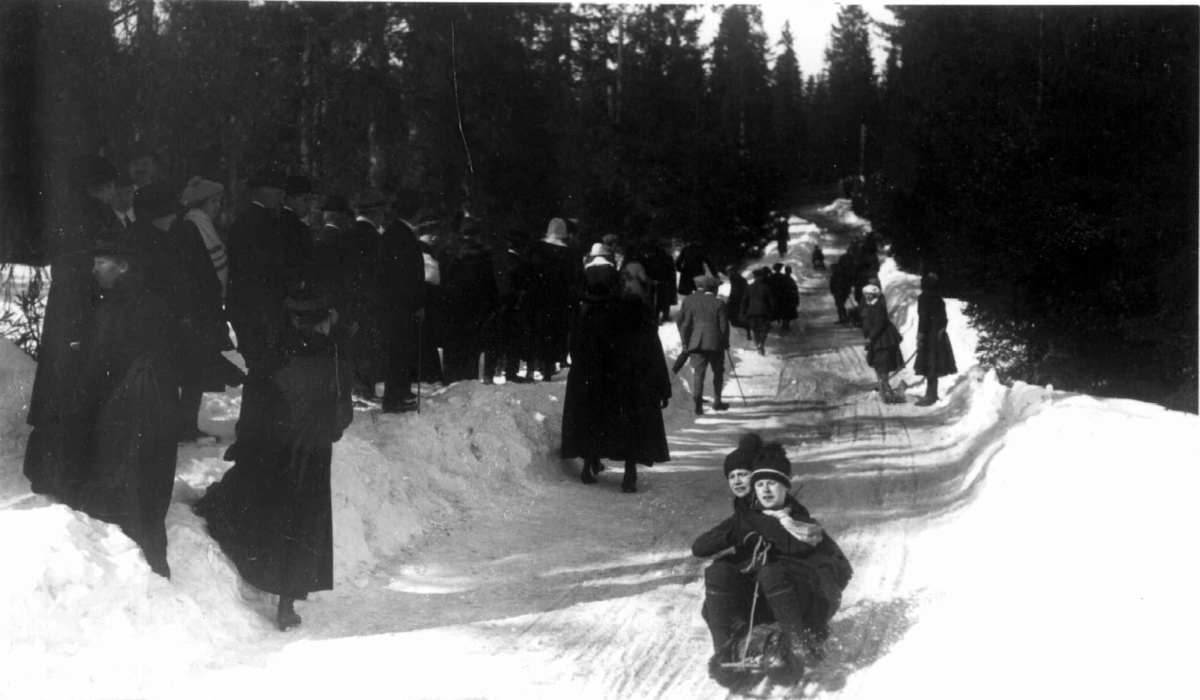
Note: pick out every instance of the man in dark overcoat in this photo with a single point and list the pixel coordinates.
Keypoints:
(840, 283)
(661, 268)
(294, 232)
(470, 294)
(704, 335)
(401, 298)
(502, 331)
(693, 262)
(127, 395)
(358, 303)
(54, 451)
(258, 283)
(557, 274)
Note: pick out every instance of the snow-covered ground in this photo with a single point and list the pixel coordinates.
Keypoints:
(1008, 542)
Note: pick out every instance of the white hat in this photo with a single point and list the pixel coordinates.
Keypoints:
(599, 250)
(871, 289)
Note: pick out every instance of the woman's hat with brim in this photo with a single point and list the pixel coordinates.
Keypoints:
(198, 191)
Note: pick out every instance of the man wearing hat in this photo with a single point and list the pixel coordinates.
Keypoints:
(757, 308)
(258, 283)
(127, 402)
(294, 233)
(52, 454)
(401, 302)
(798, 568)
(360, 291)
(704, 333)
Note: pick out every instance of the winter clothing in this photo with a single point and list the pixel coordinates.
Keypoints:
(53, 453)
(737, 292)
(358, 261)
(692, 262)
(883, 340)
(704, 332)
(198, 190)
(757, 309)
(401, 294)
(297, 241)
(840, 284)
(127, 396)
(743, 457)
(212, 244)
(556, 280)
(935, 356)
(272, 512)
(661, 269)
(471, 295)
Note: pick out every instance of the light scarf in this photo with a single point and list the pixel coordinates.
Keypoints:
(799, 530)
(216, 249)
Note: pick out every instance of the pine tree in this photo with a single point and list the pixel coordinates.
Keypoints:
(789, 114)
(851, 86)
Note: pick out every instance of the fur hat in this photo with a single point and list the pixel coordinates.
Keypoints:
(198, 189)
(743, 457)
(153, 201)
(269, 175)
(772, 463)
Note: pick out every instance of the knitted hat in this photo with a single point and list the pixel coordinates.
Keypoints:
(743, 457)
(153, 201)
(772, 463)
(297, 184)
(198, 189)
(269, 175)
(556, 229)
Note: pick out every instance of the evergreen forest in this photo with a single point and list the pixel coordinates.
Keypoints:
(1041, 160)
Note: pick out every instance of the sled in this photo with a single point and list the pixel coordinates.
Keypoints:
(758, 651)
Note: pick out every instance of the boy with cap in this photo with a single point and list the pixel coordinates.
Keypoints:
(797, 566)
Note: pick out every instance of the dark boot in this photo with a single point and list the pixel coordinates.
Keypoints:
(700, 406)
(931, 392)
(791, 652)
(588, 475)
(285, 615)
(629, 483)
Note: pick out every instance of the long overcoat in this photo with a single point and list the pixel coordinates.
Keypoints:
(556, 280)
(935, 357)
(272, 512)
(258, 284)
(757, 300)
(401, 285)
(128, 395)
(616, 384)
(55, 447)
(737, 292)
(692, 263)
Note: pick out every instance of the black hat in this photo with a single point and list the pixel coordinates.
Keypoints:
(297, 184)
(153, 201)
(307, 304)
(337, 203)
(269, 175)
(94, 171)
(743, 457)
(761, 272)
(772, 463)
(122, 243)
(371, 199)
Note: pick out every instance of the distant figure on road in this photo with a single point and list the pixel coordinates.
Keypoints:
(935, 357)
(704, 333)
(840, 284)
(737, 291)
(818, 257)
(757, 308)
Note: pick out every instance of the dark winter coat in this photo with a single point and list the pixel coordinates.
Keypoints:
(128, 393)
(616, 385)
(296, 238)
(557, 280)
(935, 357)
(692, 263)
(258, 284)
(757, 300)
(401, 285)
(883, 340)
(789, 295)
(661, 268)
(470, 295)
(358, 261)
(503, 334)
(737, 291)
(196, 301)
(55, 448)
(840, 281)
(272, 511)
(744, 528)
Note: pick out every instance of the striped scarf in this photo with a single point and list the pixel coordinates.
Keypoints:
(216, 249)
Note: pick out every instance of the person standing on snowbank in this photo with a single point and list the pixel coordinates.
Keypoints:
(883, 340)
(128, 399)
(800, 569)
(272, 512)
(935, 357)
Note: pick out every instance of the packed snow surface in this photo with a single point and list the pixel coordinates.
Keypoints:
(1007, 542)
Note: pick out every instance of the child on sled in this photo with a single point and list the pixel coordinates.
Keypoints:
(798, 570)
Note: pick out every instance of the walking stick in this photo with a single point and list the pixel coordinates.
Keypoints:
(420, 327)
(733, 371)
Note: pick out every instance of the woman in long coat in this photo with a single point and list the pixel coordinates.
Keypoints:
(935, 357)
(883, 340)
(272, 511)
(556, 275)
(737, 291)
(757, 308)
(617, 386)
(128, 398)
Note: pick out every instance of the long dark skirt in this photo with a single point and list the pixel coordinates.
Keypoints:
(272, 515)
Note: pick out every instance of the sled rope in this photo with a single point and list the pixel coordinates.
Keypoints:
(757, 560)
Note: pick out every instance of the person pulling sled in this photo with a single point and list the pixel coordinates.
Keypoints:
(783, 560)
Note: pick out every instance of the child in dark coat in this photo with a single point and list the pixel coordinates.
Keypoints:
(797, 566)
